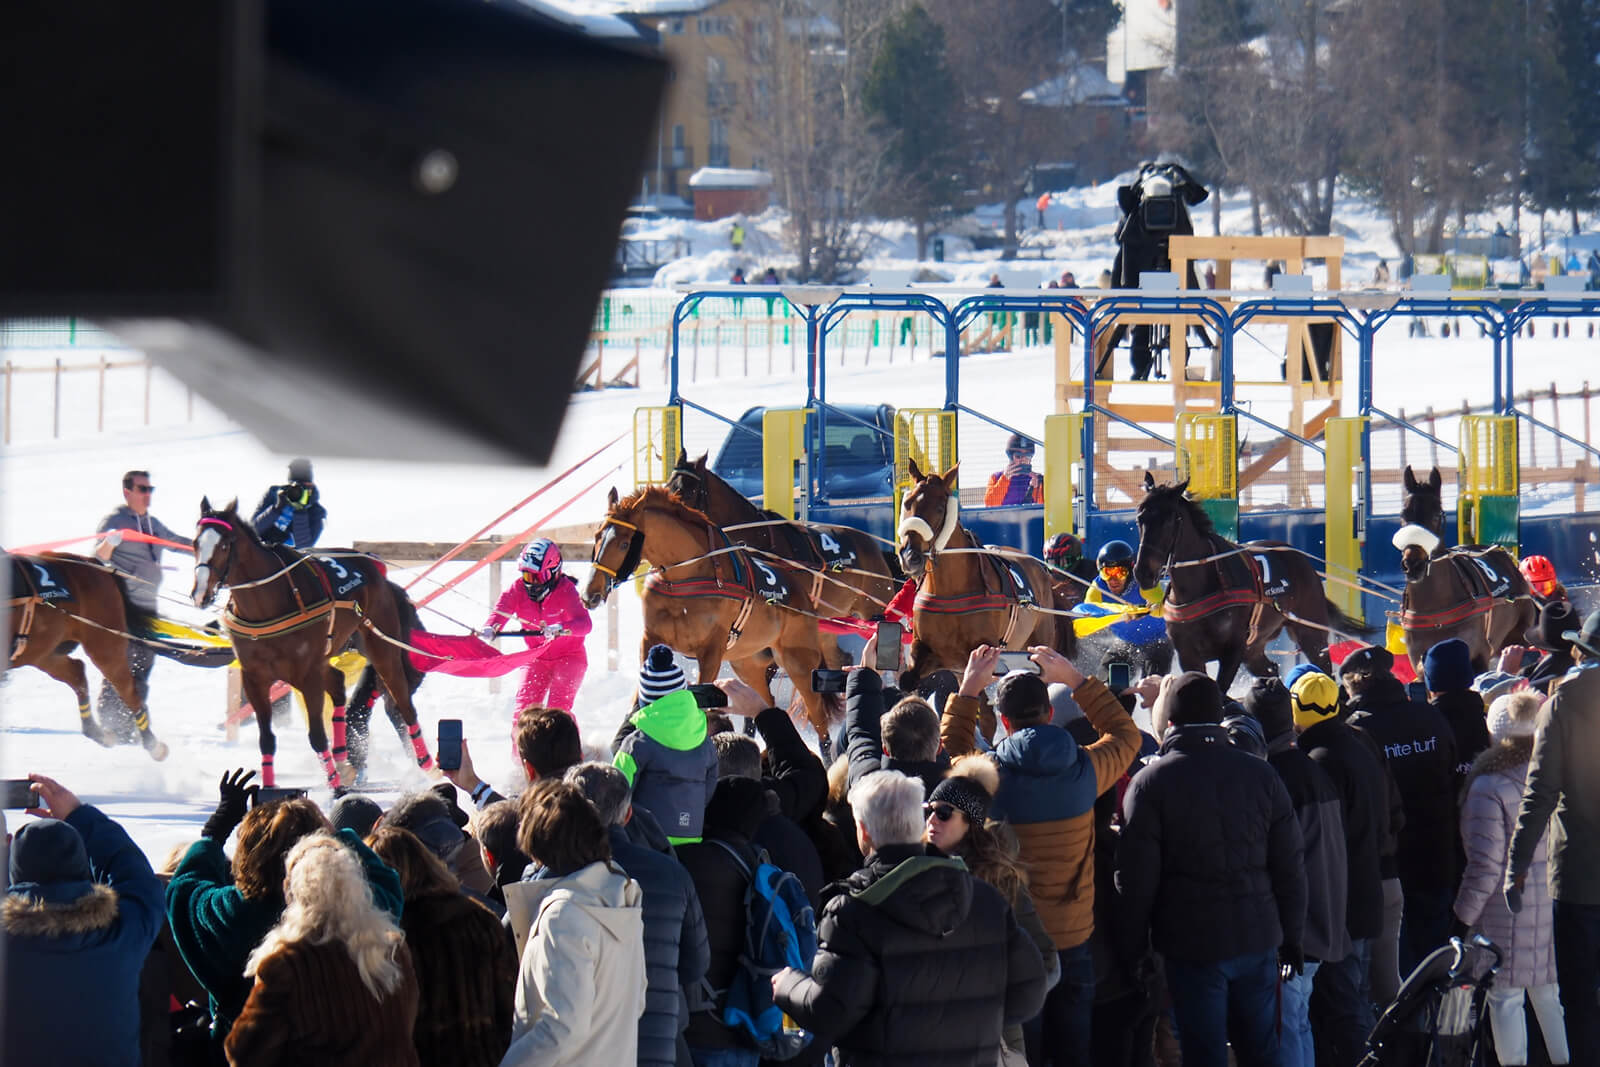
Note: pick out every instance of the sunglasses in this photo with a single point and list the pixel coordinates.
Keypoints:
(942, 812)
(143, 488)
(1115, 568)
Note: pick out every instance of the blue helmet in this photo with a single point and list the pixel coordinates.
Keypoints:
(1114, 554)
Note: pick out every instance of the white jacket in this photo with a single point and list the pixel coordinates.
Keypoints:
(582, 985)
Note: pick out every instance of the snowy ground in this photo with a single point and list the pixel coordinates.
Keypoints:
(54, 489)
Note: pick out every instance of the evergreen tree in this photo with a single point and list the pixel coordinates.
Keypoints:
(910, 91)
(1563, 164)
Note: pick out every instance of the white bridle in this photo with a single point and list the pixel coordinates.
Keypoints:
(918, 525)
(1420, 536)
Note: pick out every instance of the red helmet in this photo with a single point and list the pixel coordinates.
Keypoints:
(1541, 574)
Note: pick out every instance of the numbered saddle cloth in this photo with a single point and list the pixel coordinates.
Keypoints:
(767, 583)
(1273, 580)
(835, 555)
(1478, 572)
(32, 576)
(346, 573)
(1014, 581)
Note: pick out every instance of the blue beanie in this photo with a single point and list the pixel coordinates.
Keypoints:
(48, 862)
(1299, 671)
(1447, 667)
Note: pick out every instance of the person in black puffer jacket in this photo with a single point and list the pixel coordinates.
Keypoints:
(1210, 870)
(1420, 749)
(918, 962)
(913, 752)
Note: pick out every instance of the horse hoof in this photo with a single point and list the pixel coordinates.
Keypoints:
(158, 749)
(340, 790)
(99, 737)
(348, 775)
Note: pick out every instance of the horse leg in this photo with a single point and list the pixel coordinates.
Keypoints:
(126, 666)
(798, 661)
(753, 672)
(391, 672)
(1227, 668)
(334, 680)
(916, 657)
(68, 671)
(313, 688)
(258, 693)
(1313, 645)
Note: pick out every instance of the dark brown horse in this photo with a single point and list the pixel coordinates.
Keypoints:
(969, 594)
(61, 601)
(1225, 601)
(287, 613)
(1473, 592)
(858, 576)
(707, 598)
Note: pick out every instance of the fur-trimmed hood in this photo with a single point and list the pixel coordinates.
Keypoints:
(27, 916)
(1511, 754)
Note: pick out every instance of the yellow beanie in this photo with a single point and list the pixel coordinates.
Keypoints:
(1314, 698)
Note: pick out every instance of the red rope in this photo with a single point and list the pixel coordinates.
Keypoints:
(127, 535)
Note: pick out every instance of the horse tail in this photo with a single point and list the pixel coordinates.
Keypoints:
(367, 687)
(1343, 625)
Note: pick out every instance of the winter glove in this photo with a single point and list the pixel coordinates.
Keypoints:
(554, 630)
(1292, 959)
(1514, 893)
(231, 808)
(488, 633)
(112, 538)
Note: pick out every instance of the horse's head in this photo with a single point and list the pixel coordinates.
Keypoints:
(1424, 503)
(1417, 544)
(928, 517)
(1160, 519)
(690, 481)
(216, 541)
(618, 547)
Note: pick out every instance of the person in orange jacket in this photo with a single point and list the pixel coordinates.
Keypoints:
(1019, 483)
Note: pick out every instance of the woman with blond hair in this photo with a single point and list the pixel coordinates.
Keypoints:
(334, 983)
(1489, 810)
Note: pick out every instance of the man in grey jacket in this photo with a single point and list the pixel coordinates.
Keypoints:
(1563, 790)
(140, 561)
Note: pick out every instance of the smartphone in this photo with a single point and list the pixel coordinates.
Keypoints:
(826, 681)
(18, 793)
(890, 636)
(280, 792)
(707, 695)
(1119, 676)
(1015, 661)
(449, 744)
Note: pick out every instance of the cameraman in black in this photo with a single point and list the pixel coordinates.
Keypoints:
(291, 514)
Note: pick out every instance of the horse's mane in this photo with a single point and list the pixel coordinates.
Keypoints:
(658, 496)
(247, 529)
(702, 470)
(1197, 515)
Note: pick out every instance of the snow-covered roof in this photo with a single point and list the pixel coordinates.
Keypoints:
(1080, 85)
(729, 178)
(597, 18)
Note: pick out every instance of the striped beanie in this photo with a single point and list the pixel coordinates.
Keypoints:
(659, 675)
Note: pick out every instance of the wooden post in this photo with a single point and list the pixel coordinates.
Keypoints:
(1533, 440)
(1433, 433)
(1555, 420)
(1402, 431)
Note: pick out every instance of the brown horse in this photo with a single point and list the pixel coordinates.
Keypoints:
(60, 601)
(287, 613)
(1226, 600)
(1474, 592)
(858, 576)
(969, 595)
(707, 598)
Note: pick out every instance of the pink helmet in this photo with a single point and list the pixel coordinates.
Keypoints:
(540, 562)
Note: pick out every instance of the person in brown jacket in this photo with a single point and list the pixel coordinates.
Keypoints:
(465, 959)
(333, 980)
(1048, 786)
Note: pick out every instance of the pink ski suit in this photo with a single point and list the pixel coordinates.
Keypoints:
(552, 681)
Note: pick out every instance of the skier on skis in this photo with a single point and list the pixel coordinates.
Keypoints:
(545, 604)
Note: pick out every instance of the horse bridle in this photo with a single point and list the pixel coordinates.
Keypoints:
(703, 491)
(222, 573)
(630, 559)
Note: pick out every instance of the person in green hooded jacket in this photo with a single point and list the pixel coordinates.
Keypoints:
(668, 755)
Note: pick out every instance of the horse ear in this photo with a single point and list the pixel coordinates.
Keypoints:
(1411, 480)
(1149, 481)
(683, 459)
(1434, 481)
(205, 506)
(1182, 486)
(949, 476)
(611, 497)
(916, 472)
(233, 506)
(700, 463)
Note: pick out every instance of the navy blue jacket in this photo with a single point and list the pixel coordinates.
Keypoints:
(305, 523)
(675, 950)
(73, 968)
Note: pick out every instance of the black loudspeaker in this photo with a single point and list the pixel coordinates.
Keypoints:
(370, 227)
